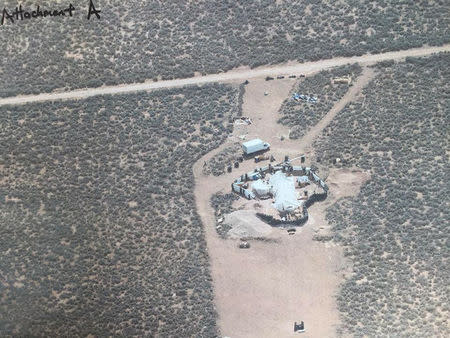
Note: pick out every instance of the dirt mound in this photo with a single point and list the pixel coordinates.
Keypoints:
(244, 223)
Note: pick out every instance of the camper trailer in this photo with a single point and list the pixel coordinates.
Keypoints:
(254, 146)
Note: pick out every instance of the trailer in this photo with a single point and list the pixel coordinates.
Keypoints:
(260, 158)
(254, 146)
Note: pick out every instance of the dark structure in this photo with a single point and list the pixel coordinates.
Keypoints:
(282, 224)
(299, 327)
(244, 245)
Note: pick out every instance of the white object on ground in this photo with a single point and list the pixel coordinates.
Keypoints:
(261, 188)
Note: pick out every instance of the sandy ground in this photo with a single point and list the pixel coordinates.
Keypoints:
(261, 291)
(342, 183)
(239, 74)
(246, 225)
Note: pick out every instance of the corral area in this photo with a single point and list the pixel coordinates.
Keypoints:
(99, 234)
(395, 231)
(288, 186)
(139, 40)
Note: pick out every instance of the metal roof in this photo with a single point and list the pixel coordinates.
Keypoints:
(253, 142)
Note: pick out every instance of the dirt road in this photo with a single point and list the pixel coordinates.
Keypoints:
(239, 74)
(351, 95)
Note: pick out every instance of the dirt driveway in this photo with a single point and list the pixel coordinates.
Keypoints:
(261, 291)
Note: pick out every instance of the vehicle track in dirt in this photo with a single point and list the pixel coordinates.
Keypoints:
(239, 74)
(352, 94)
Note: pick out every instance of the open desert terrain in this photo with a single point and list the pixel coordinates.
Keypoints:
(239, 169)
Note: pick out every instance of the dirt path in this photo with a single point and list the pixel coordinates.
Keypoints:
(260, 292)
(351, 95)
(239, 74)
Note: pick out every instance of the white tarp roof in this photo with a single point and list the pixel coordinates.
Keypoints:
(283, 188)
(252, 143)
(303, 179)
(261, 188)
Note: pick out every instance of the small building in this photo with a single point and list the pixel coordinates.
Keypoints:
(261, 189)
(302, 181)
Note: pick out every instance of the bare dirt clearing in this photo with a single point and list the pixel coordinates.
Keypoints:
(260, 292)
(231, 76)
(246, 224)
(342, 183)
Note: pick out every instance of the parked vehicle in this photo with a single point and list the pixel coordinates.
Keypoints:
(299, 327)
(244, 245)
(261, 158)
(254, 146)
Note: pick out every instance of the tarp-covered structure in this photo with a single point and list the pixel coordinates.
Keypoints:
(303, 179)
(283, 189)
(261, 188)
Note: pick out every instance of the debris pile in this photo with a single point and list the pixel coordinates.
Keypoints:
(304, 98)
(343, 80)
(222, 205)
(244, 120)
